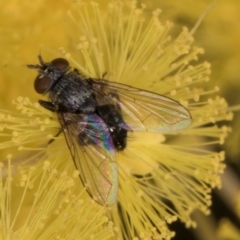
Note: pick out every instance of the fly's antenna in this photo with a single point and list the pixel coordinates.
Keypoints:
(41, 60)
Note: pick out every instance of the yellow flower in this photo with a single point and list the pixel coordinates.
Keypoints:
(220, 40)
(162, 178)
(38, 199)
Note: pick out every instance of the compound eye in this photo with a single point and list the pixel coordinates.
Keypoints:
(42, 84)
(60, 63)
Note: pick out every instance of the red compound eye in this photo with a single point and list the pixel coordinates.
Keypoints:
(41, 84)
(60, 63)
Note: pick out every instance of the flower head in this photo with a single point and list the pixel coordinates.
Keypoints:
(42, 203)
(162, 177)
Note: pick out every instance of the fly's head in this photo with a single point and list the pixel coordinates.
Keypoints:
(48, 73)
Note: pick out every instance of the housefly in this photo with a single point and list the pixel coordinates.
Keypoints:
(95, 117)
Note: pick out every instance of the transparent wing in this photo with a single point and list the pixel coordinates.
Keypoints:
(92, 151)
(142, 110)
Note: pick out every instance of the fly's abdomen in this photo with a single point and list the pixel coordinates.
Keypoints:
(116, 125)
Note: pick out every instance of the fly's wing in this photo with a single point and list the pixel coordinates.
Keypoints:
(142, 110)
(92, 151)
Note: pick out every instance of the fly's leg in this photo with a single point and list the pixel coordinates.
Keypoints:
(52, 140)
(48, 105)
(104, 74)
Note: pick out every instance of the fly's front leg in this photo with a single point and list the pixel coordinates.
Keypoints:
(48, 105)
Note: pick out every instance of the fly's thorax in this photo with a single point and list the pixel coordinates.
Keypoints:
(73, 94)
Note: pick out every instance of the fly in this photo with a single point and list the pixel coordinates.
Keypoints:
(96, 115)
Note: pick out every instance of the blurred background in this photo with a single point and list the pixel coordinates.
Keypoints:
(30, 26)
